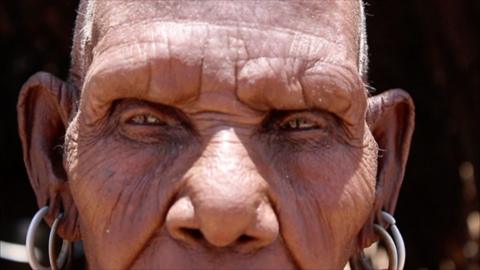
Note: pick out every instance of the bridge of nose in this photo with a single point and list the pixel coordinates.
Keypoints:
(225, 169)
(225, 189)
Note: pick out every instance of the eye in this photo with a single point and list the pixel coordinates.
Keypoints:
(293, 121)
(299, 124)
(145, 119)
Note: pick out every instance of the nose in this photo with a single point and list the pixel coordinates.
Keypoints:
(224, 201)
(243, 228)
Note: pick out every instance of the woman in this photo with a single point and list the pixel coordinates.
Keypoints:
(217, 135)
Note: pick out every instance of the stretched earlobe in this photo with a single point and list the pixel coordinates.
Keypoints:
(391, 119)
(44, 108)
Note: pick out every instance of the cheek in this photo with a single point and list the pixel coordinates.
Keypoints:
(105, 173)
(329, 195)
(338, 178)
(121, 190)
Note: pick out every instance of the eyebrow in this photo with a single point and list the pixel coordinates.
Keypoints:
(323, 86)
(145, 71)
(166, 80)
(331, 87)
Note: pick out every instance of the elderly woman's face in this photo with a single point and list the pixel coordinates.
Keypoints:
(231, 139)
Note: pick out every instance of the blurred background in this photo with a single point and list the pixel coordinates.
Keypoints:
(429, 48)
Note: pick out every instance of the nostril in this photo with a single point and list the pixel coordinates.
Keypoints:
(245, 239)
(194, 234)
(214, 225)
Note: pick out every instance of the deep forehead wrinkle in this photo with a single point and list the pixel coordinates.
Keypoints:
(145, 33)
(171, 69)
(312, 17)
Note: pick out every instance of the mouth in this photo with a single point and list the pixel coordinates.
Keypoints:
(164, 252)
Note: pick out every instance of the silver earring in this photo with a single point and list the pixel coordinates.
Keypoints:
(32, 230)
(395, 246)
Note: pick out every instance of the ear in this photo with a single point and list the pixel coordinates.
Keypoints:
(391, 119)
(44, 107)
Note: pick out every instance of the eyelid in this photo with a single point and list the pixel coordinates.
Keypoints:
(145, 119)
(133, 110)
(313, 117)
(128, 114)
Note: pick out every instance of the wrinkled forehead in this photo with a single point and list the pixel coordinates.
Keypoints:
(337, 21)
(336, 18)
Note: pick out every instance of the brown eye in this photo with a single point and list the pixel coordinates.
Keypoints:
(299, 124)
(145, 119)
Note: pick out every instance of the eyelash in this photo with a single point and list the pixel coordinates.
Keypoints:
(299, 124)
(153, 128)
(296, 121)
(145, 119)
(293, 124)
(297, 129)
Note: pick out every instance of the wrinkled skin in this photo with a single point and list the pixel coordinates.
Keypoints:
(217, 135)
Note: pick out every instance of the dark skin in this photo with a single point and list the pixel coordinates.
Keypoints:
(224, 137)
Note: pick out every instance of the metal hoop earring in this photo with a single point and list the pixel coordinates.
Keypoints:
(395, 246)
(32, 230)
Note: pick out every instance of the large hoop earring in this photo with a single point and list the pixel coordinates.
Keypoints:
(395, 246)
(32, 230)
